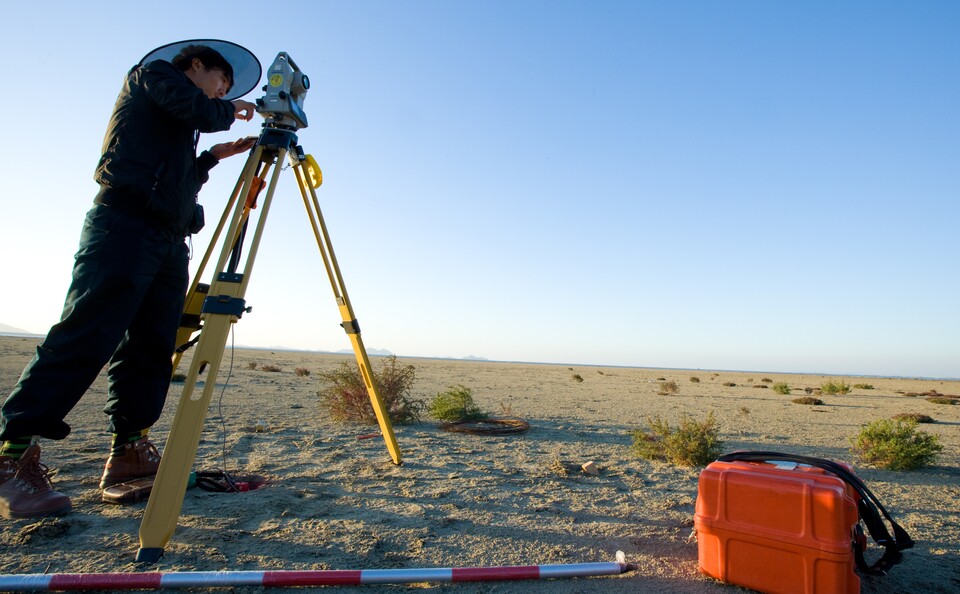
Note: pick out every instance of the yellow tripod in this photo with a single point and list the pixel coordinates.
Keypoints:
(212, 310)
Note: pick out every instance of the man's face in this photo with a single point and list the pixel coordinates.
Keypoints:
(212, 81)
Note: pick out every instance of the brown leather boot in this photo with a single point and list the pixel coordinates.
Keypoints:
(140, 459)
(26, 490)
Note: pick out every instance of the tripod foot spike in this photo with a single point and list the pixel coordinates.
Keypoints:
(149, 554)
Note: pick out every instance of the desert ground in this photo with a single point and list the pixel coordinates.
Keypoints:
(334, 501)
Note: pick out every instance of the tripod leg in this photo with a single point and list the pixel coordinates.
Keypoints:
(190, 321)
(170, 485)
(346, 310)
(222, 307)
(379, 407)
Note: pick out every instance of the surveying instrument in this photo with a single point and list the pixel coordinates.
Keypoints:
(211, 310)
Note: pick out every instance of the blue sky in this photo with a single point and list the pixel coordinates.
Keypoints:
(767, 186)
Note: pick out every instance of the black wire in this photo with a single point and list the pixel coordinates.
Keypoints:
(223, 423)
(491, 426)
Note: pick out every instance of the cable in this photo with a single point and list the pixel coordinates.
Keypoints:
(491, 426)
(231, 484)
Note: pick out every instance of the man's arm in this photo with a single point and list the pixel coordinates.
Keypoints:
(180, 98)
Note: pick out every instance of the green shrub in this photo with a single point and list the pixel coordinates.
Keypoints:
(862, 386)
(455, 405)
(781, 388)
(835, 387)
(895, 444)
(347, 400)
(941, 400)
(692, 443)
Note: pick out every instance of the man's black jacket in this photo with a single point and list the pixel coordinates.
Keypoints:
(149, 164)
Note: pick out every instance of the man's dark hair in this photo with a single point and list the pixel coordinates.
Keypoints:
(210, 58)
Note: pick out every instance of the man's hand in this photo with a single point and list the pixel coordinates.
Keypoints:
(229, 149)
(243, 110)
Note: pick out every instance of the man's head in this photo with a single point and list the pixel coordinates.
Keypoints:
(206, 68)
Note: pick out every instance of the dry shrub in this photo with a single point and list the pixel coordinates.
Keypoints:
(271, 368)
(558, 466)
(347, 399)
(252, 365)
(577, 378)
(730, 384)
(695, 380)
(668, 388)
(807, 400)
(917, 417)
(933, 394)
(301, 372)
(941, 400)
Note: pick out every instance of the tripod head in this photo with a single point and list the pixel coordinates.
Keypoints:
(286, 88)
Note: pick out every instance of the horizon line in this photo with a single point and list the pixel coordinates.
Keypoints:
(374, 352)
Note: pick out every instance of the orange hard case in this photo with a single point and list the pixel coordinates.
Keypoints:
(777, 528)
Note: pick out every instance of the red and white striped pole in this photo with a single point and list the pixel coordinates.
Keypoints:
(39, 582)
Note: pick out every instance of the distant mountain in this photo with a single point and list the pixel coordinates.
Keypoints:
(475, 358)
(5, 329)
(371, 352)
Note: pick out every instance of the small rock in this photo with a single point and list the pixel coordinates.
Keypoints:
(591, 468)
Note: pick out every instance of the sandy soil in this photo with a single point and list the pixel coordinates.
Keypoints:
(337, 502)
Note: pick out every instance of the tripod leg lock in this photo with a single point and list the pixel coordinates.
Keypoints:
(351, 327)
(224, 304)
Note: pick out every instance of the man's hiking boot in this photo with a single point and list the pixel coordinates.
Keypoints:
(26, 490)
(139, 459)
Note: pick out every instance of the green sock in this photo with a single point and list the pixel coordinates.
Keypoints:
(122, 439)
(14, 448)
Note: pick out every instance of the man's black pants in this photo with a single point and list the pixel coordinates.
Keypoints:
(123, 308)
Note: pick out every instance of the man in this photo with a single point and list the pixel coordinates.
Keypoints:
(130, 274)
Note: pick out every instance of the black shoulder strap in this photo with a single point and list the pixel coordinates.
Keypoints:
(869, 507)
